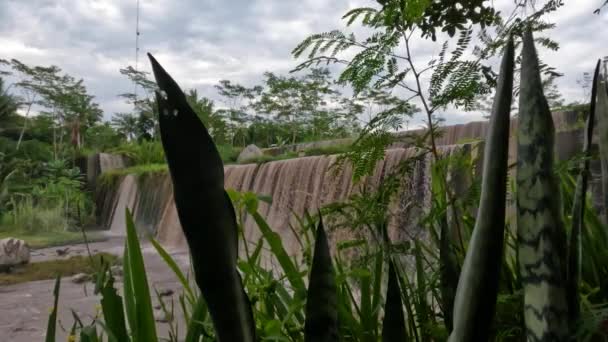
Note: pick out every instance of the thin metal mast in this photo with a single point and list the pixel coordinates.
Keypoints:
(136, 48)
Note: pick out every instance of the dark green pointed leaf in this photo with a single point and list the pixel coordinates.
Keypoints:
(204, 209)
(393, 325)
(578, 211)
(478, 284)
(540, 228)
(321, 302)
(113, 312)
(52, 324)
(279, 252)
(601, 114)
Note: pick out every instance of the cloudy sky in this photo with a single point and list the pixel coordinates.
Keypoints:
(203, 41)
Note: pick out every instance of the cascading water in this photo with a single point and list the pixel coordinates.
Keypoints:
(109, 162)
(296, 186)
(126, 196)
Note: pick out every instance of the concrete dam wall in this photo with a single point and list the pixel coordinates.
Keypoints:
(305, 184)
(295, 186)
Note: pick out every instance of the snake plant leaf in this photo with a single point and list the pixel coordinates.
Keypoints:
(393, 325)
(477, 290)
(449, 269)
(601, 114)
(540, 227)
(578, 211)
(321, 323)
(52, 323)
(204, 210)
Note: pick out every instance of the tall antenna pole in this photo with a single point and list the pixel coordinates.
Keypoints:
(136, 47)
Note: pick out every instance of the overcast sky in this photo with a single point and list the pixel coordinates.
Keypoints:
(202, 41)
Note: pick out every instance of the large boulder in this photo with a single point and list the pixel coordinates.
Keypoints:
(249, 153)
(13, 252)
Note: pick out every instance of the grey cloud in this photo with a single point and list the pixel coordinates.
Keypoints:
(203, 41)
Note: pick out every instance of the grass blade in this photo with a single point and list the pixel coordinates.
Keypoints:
(322, 303)
(196, 329)
(144, 328)
(276, 246)
(52, 324)
(540, 227)
(175, 268)
(204, 209)
(129, 295)
(477, 290)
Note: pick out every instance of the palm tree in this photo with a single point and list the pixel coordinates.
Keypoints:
(126, 124)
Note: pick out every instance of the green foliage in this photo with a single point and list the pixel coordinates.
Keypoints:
(64, 101)
(228, 153)
(46, 199)
(142, 124)
(49, 269)
(142, 153)
(139, 306)
(27, 218)
(353, 286)
(102, 137)
(110, 178)
(8, 103)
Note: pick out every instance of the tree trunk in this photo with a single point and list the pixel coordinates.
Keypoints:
(29, 107)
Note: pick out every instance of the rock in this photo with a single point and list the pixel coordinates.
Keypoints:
(249, 153)
(165, 292)
(116, 270)
(13, 252)
(80, 278)
(62, 252)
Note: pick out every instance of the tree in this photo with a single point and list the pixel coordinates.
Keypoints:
(143, 104)
(126, 124)
(60, 96)
(384, 59)
(239, 101)
(8, 103)
(205, 109)
(102, 137)
(310, 105)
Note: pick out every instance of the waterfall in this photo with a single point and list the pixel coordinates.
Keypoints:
(306, 184)
(296, 186)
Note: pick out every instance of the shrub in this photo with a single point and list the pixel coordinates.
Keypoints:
(144, 152)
